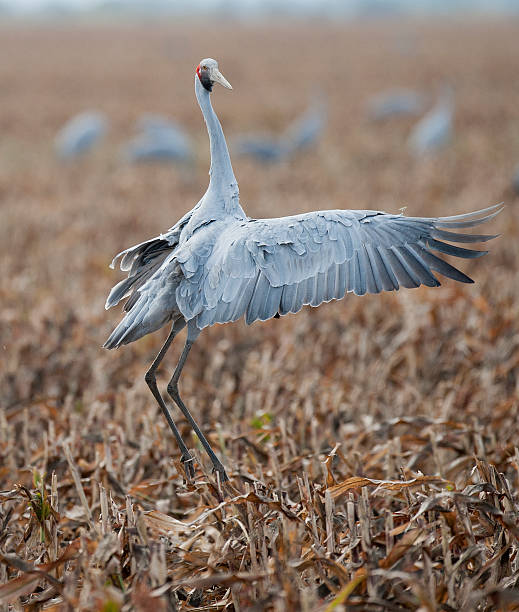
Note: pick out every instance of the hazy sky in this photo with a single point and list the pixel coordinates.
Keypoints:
(36, 4)
(428, 5)
(30, 4)
(86, 3)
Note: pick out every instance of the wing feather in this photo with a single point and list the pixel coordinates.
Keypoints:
(359, 275)
(288, 299)
(141, 261)
(373, 280)
(404, 275)
(455, 221)
(330, 283)
(316, 290)
(418, 266)
(443, 267)
(308, 291)
(456, 237)
(450, 249)
(341, 280)
(264, 302)
(384, 280)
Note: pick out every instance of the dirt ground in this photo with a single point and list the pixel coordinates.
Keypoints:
(371, 443)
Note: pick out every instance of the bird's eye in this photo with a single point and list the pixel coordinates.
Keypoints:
(204, 67)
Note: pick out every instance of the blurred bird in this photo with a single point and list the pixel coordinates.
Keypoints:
(217, 265)
(300, 135)
(434, 130)
(261, 147)
(159, 139)
(395, 103)
(80, 134)
(515, 181)
(151, 123)
(305, 131)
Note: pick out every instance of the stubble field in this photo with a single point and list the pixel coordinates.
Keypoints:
(371, 443)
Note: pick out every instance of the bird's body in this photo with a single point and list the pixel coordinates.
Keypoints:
(217, 265)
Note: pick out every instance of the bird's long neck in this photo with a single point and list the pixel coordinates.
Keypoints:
(222, 180)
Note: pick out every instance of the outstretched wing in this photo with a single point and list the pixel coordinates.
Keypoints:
(142, 261)
(259, 268)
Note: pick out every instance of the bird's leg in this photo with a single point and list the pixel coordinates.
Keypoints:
(151, 381)
(192, 335)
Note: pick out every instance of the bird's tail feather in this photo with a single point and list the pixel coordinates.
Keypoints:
(119, 336)
(136, 324)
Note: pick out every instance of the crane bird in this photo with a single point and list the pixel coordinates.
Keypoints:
(299, 136)
(80, 134)
(262, 147)
(434, 130)
(159, 139)
(394, 103)
(217, 265)
(304, 131)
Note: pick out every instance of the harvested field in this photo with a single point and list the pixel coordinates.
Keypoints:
(372, 443)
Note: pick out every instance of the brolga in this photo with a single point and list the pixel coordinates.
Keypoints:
(300, 135)
(217, 265)
(159, 139)
(434, 130)
(80, 134)
(395, 103)
(305, 131)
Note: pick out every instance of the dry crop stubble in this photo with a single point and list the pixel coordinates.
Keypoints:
(371, 442)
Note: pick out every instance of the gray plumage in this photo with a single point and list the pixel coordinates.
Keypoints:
(80, 134)
(394, 103)
(159, 139)
(216, 265)
(434, 130)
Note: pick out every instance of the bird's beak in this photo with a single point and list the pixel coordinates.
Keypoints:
(218, 77)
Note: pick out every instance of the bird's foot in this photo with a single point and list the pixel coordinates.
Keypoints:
(189, 468)
(219, 469)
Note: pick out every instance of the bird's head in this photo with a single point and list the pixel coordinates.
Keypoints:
(208, 73)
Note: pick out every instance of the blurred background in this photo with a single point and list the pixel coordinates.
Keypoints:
(366, 104)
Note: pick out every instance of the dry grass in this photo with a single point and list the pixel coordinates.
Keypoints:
(371, 443)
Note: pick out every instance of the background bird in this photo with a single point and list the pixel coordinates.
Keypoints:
(159, 139)
(80, 134)
(217, 265)
(305, 131)
(434, 130)
(261, 147)
(394, 103)
(299, 136)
